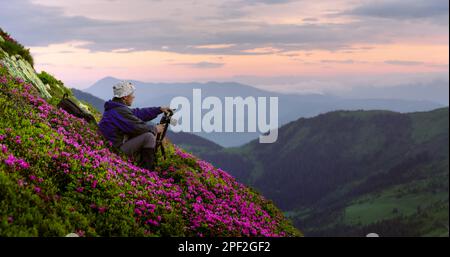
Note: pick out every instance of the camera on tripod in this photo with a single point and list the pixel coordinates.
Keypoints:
(167, 118)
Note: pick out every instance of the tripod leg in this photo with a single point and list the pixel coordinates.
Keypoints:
(163, 152)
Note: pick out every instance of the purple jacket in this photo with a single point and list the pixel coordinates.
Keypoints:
(119, 120)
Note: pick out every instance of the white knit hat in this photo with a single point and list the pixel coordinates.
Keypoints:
(123, 88)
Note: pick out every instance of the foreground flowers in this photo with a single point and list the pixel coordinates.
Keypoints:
(58, 162)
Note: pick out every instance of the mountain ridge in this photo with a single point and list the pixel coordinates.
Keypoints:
(291, 107)
(321, 166)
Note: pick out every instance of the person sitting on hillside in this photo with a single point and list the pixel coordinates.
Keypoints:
(126, 128)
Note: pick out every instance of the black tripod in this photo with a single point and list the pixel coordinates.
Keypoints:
(166, 121)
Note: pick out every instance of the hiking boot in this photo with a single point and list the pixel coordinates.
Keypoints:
(148, 158)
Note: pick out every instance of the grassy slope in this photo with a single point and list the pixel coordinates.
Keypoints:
(424, 197)
(413, 198)
(374, 169)
(57, 176)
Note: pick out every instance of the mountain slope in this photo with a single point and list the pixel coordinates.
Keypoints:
(96, 102)
(58, 175)
(346, 172)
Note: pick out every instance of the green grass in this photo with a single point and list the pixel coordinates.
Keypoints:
(369, 140)
(246, 153)
(297, 138)
(436, 227)
(13, 48)
(57, 88)
(427, 125)
(374, 208)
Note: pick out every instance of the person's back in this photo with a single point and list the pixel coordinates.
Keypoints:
(119, 122)
(108, 126)
(126, 128)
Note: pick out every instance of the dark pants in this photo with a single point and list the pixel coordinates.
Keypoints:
(135, 144)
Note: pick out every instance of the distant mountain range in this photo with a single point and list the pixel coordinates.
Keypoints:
(291, 107)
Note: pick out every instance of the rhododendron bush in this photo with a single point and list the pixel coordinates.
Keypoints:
(58, 175)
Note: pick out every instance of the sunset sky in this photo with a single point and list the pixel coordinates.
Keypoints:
(274, 44)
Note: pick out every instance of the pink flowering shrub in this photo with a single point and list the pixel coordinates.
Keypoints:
(58, 175)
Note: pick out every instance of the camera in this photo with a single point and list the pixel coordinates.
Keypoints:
(167, 119)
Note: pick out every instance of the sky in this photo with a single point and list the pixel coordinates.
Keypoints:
(278, 45)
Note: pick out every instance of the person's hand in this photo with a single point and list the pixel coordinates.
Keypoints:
(165, 109)
(159, 128)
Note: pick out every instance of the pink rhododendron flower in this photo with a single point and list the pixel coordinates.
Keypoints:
(23, 164)
(10, 160)
(4, 148)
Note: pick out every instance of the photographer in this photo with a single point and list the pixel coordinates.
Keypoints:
(126, 127)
